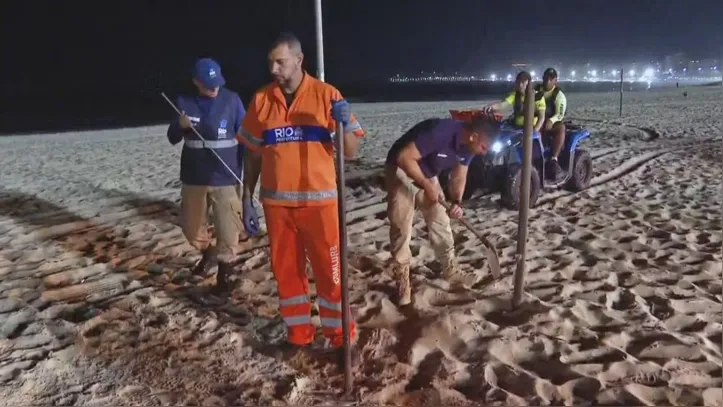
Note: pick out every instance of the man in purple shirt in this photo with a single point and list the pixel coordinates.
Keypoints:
(412, 166)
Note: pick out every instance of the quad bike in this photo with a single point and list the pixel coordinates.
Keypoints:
(500, 170)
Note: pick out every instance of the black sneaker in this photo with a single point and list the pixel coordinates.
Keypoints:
(553, 170)
(205, 264)
(223, 286)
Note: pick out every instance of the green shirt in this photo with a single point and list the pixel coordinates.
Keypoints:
(519, 117)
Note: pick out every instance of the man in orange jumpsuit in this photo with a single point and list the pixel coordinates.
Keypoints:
(288, 129)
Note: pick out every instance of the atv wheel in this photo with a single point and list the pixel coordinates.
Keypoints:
(511, 189)
(581, 174)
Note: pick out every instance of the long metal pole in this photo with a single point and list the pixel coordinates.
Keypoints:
(524, 196)
(319, 41)
(621, 92)
(340, 189)
(343, 256)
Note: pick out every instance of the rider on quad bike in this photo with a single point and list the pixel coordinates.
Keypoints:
(516, 99)
(553, 133)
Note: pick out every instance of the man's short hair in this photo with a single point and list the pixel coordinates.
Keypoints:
(484, 126)
(289, 39)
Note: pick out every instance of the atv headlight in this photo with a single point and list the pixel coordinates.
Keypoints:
(497, 147)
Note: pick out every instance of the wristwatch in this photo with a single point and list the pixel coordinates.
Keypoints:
(456, 202)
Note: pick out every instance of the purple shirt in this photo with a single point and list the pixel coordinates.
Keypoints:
(438, 141)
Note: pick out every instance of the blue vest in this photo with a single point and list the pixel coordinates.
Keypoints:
(199, 166)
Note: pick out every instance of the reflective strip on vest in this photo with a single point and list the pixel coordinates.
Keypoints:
(331, 322)
(198, 144)
(334, 306)
(297, 300)
(298, 196)
(299, 320)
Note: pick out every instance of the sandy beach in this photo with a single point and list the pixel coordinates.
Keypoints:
(623, 302)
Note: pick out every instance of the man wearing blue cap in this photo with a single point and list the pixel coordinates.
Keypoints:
(216, 113)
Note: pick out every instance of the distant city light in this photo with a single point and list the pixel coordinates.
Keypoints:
(651, 72)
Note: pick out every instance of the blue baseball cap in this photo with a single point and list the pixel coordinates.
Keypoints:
(208, 72)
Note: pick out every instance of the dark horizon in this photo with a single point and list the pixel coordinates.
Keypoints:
(135, 42)
(62, 56)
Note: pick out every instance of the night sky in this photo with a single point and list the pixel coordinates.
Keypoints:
(132, 44)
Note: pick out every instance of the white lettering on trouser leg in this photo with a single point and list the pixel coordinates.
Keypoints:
(334, 253)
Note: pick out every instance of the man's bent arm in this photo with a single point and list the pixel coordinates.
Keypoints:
(174, 133)
(252, 169)
(457, 182)
(351, 144)
(353, 131)
(560, 105)
(499, 105)
(540, 119)
(408, 161)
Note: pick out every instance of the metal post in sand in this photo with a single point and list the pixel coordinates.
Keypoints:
(621, 92)
(340, 189)
(343, 257)
(319, 41)
(524, 196)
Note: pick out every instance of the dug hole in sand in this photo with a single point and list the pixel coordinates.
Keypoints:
(622, 304)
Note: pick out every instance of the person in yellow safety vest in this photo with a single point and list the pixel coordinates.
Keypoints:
(553, 130)
(516, 99)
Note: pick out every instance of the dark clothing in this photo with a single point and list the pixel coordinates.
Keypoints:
(439, 143)
(218, 121)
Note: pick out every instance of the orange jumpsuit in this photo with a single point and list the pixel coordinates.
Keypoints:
(299, 195)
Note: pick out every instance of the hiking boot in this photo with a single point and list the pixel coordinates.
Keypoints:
(553, 171)
(404, 286)
(223, 286)
(204, 265)
(451, 272)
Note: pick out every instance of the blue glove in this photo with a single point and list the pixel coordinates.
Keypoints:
(251, 218)
(341, 111)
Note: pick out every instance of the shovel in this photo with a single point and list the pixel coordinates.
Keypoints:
(489, 248)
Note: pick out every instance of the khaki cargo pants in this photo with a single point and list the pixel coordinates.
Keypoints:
(223, 206)
(402, 200)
